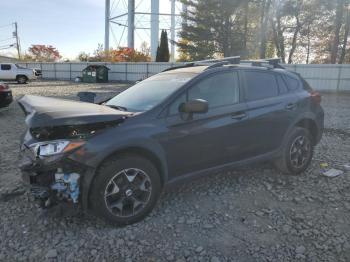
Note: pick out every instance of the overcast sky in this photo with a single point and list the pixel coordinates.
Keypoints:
(71, 26)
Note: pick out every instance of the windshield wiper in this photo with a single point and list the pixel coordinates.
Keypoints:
(120, 108)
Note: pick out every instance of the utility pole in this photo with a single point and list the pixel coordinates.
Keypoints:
(131, 24)
(172, 37)
(17, 41)
(154, 28)
(107, 17)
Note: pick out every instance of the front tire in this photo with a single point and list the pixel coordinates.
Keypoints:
(21, 79)
(125, 189)
(297, 152)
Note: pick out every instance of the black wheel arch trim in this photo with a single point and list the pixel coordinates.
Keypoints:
(153, 153)
(302, 120)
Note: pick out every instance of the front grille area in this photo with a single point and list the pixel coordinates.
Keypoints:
(43, 179)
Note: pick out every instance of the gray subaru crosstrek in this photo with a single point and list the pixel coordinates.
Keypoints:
(116, 158)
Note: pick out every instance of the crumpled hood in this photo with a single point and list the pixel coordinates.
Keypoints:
(46, 111)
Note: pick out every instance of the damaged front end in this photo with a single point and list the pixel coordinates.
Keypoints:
(53, 150)
(53, 177)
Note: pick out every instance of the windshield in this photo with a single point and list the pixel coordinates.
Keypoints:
(150, 92)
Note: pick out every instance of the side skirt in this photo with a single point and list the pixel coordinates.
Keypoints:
(193, 175)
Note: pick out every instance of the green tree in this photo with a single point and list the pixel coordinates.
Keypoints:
(295, 30)
(83, 57)
(163, 54)
(213, 28)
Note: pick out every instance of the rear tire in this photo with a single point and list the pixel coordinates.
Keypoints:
(297, 152)
(21, 79)
(125, 189)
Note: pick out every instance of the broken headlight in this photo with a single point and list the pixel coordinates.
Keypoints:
(55, 147)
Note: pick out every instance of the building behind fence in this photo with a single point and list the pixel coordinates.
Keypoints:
(320, 77)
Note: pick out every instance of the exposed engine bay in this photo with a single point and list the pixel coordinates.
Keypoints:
(70, 131)
(57, 132)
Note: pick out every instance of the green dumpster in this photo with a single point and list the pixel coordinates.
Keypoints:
(95, 74)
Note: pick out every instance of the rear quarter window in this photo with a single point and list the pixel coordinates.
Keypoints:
(292, 83)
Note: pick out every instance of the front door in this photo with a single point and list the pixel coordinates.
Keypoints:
(211, 139)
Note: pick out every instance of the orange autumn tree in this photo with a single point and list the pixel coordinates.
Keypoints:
(43, 53)
(126, 54)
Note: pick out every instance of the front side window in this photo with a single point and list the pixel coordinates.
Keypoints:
(150, 92)
(20, 67)
(260, 85)
(5, 67)
(218, 90)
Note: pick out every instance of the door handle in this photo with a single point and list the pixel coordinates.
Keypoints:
(291, 106)
(239, 116)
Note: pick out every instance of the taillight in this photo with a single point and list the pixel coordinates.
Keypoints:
(316, 97)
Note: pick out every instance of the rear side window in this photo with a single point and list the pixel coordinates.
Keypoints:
(292, 83)
(5, 67)
(260, 85)
(282, 85)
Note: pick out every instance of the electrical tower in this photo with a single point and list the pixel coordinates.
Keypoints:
(150, 20)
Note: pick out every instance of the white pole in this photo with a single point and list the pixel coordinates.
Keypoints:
(154, 28)
(107, 16)
(131, 23)
(172, 37)
(184, 10)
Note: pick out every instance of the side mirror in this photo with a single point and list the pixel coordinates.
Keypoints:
(197, 106)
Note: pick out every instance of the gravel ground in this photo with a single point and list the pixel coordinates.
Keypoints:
(248, 214)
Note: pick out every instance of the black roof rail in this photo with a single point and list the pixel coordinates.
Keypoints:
(179, 67)
(218, 64)
(213, 63)
(229, 60)
(221, 62)
(233, 60)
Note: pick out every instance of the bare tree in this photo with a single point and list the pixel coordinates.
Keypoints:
(337, 26)
(264, 19)
(346, 35)
(277, 30)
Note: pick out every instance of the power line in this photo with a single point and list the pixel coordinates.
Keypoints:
(7, 25)
(7, 39)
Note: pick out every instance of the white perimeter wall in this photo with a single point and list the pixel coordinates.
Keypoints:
(320, 77)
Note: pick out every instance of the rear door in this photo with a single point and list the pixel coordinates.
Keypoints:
(271, 109)
(207, 140)
(6, 71)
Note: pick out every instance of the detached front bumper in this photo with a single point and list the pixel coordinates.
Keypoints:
(46, 186)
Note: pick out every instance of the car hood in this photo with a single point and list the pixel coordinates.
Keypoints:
(50, 112)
